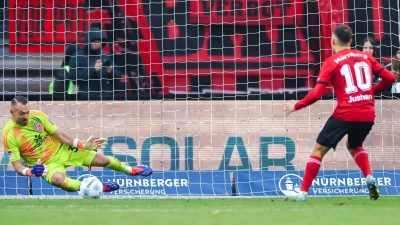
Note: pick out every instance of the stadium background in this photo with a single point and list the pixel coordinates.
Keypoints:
(193, 46)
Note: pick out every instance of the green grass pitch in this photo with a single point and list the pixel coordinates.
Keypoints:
(243, 211)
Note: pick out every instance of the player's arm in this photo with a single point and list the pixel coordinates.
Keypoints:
(89, 144)
(318, 91)
(387, 80)
(21, 169)
(312, 97)
(65, 138)
(12, 150)
(53, 130)
(37, 170)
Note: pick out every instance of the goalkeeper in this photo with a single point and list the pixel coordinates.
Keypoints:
(48, 151)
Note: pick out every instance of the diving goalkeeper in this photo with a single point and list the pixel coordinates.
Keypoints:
(48, 151)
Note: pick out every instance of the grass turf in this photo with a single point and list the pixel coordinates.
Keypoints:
(321, 211)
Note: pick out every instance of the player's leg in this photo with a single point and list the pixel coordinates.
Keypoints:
(360, 157)
(113, 163)
(333, 131)
(359, 131)
(312, 168)
(81, 158)
(57, 176)
(64, 182)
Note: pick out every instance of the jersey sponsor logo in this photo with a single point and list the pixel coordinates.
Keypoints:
(39, 141)
(38, 126)
(10, 154)
(359, 98)
(351, 54)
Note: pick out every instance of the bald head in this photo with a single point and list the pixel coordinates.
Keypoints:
(20, 110)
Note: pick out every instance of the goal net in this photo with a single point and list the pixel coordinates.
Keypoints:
(196, 90)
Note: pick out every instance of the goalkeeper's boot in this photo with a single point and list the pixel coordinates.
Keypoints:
(372, 188)
(141, 170)
(301, 196)
(110, 186)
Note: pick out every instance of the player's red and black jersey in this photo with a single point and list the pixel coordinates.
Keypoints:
(351, 74)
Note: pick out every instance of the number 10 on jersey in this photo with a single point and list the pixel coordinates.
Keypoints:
(362, 74)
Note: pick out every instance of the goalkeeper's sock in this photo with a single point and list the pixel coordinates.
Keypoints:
(312, 168)
(117, 165)
(361, 158)
(71, 185)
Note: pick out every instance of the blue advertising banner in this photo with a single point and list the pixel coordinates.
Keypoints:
(13, 184)
(327, 183)
(170, 183)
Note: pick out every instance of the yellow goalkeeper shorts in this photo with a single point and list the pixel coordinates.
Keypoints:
(68, 156)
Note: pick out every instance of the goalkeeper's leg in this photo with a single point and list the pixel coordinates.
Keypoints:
(113, 163)
(61, 180)
(57, 176)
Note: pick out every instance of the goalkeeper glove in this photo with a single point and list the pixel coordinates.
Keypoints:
(38, 170)
(91, 143)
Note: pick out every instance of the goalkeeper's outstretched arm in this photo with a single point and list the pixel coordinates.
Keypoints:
(89, 144)
(63, 137)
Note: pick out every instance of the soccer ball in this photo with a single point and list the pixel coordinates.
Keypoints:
(91, 187)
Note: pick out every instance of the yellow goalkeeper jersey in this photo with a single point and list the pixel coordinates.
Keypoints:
(33, 141)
